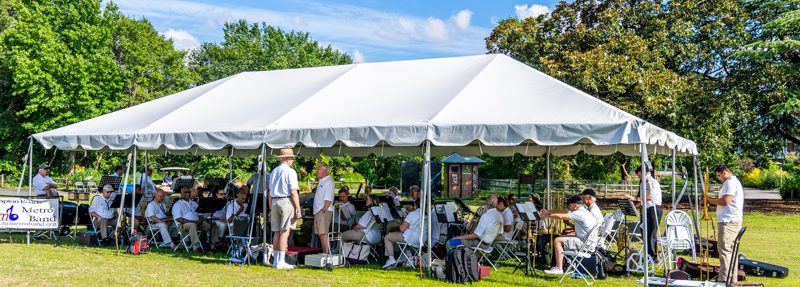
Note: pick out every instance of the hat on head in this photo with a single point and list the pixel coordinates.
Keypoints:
(44, 166)
(589, 192)
(286, 152)
(108, 187)
(574, 199)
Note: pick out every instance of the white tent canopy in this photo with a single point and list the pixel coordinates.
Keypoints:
(472, 105)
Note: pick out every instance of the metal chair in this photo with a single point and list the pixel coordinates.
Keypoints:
(485, 250)
(678, 237)
(574, 258)
(506, 248)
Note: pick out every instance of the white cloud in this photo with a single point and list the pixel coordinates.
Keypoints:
(462, 19)
(525, 11)
(435, 29)
(181, 39)
(348, 27)
(358, 57)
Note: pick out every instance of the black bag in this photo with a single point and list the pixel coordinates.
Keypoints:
(88, 239)
(756, 268)
(461, 266)
(696, 270)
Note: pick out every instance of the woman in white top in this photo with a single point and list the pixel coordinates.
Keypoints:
(218, 218)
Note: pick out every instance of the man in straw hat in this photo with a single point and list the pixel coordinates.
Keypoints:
(285, 206)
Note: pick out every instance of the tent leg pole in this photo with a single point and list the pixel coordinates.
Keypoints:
(427, 193)
(133, 192)
(643, 196)
(30, 181)
(549, 179)
(674, 182)
(264, 213)
(122, 201)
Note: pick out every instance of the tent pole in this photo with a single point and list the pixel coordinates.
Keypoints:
(122, 201)
(674, 182)
(643, 196)
(549, 188)
(30, 180)
(257, 188)
(427, 194)
(264, 179)
(133, 191)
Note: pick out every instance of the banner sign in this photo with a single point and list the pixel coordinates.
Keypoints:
(24, 213)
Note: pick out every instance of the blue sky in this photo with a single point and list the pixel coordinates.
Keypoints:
(368, 30)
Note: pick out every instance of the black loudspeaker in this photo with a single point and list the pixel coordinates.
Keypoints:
(68, 214)
(409, 175)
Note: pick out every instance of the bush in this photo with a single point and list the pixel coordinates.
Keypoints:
(753, 178)
(773, 178)
(791, 188)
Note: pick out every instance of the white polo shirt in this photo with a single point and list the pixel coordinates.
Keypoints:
(654, 190)
(324, 193)
(596, 212)
(583, 220)
(102, 207)
(233, 207)
(40, 182)
(184, 209)
(508, 219)
(157, 209)
(489, 226)
(282, 180)
(734, 210)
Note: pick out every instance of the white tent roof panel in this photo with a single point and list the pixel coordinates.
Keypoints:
(482, 104)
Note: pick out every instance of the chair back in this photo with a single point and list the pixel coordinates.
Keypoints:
(79, 187)
(590, 242)
(679, 228)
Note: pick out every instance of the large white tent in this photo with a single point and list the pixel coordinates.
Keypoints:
(479, 104)
(487, 104)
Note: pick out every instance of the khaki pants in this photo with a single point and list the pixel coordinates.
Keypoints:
(190, 228)
(352, 235)
(218, 230)
(102, 226)
(727, 232)
(390, 240)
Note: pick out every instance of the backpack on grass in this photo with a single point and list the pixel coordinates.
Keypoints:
(461, 266)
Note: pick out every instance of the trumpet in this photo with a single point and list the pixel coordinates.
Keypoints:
(706, 217)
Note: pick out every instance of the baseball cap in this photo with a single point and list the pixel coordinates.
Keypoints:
(44, 166)
(590, 192)
(574, 199)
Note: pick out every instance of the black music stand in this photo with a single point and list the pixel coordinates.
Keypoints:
(212, 182)
(528, 214)
(628, 207)
(447, 215)
(259, 204)
(210, 204)
(118, 199)
(112, 180)
(389, 200)
(463, 206)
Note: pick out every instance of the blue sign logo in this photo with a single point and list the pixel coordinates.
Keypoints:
(9, 215)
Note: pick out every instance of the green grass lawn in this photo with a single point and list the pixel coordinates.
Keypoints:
(770, 238)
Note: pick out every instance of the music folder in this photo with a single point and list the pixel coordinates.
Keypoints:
(118, 199)
(210, 204)
(527, 211)
(446, 212)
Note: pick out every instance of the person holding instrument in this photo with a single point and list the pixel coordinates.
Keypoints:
(184, 211)
(583, 221)
(730, 208)
(157, 213)
(101, 211)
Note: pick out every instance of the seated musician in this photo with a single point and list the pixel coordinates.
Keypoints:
(366, 226)
(371, 199)
(489, 228)
(347, 211)
(589, 198)
(102, 213)
(583, 221)
(184, 212)
(414, 192)
(218, 218)
(237, 207)
(412, 219)
(395, 194)
(157, 213)
(137, 211)
(508, 219)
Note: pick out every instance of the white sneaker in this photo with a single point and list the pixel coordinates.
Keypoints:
(389, 263)
(554, 271)
(284, 265)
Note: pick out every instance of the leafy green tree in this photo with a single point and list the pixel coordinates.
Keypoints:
(665, 62)
(256, 47)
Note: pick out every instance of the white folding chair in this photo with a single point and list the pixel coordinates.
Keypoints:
(79, 187)
(92, 187)
(506, 248)
(153, 230)
(574, 258)
(485, 251)
(182, 238)
(678, 237)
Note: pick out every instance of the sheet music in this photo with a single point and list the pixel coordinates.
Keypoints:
(528, 210)
(450, 211)
(386, 211)
(378, 211)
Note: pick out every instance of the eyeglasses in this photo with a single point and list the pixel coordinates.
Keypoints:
(221, 193)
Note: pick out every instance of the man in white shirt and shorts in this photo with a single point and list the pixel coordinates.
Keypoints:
(323, 206)
(583, 221)
(730, 209)
(285, 206)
